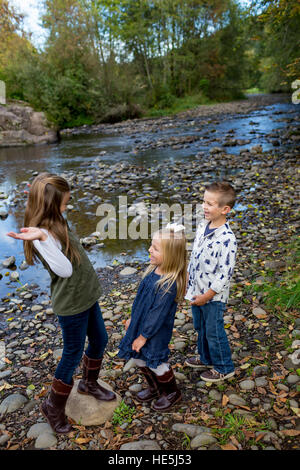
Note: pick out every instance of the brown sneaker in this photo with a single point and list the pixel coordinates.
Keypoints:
(215, 376)
(196, 363)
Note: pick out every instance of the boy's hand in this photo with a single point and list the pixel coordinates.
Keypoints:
(29, 233)
(138, 343)
(127, 323)
(199, 300)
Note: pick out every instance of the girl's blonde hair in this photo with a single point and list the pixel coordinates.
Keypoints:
(174, 264)
(43, 210)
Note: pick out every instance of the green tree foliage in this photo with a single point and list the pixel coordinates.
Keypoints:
(276, 27)
(103, 57)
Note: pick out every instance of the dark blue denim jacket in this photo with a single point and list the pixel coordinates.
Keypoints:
(152, 316)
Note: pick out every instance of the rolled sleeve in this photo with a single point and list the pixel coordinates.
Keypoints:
(52, 254)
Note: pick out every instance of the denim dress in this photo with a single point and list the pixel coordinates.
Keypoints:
(152, 316)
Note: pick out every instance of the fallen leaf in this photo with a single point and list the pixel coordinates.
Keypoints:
(280, 411)
(290, 432)
(228, 447)
(296, 411)
(245, 366)
(225, 400)
(272, 388)
(235, 441)
(112, 354)
(148, 430)
(204, 416)
(83, 440)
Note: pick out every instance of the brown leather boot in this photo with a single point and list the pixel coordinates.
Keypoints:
(168, 390)
(53, 408)
(152, 391)
(88, 385)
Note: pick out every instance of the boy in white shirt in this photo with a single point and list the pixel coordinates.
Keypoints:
(210, 270)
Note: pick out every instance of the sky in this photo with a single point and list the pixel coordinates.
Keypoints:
(32, 9)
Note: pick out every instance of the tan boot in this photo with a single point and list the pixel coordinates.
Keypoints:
(53, 408)
(88, 385)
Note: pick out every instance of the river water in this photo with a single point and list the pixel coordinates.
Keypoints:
(18, 165)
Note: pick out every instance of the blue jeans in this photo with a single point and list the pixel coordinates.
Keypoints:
(213, 346)
(75, 328)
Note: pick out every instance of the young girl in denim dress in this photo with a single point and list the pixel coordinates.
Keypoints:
(149, 330)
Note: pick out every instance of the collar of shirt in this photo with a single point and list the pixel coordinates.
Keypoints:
(216, 233)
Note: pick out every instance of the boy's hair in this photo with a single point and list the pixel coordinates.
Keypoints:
(226, 192)
(174, 265)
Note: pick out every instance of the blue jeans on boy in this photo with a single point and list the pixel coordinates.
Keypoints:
(213, 346)
(75, 328)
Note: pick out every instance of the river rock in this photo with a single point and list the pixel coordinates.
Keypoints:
(7, 263)
(203, 439)
(190, 429)
(3, 214)
(37, 429)
(12, 403)
(261, 382)
(3, 439)
(274, 265)
(140, 445)
(293, 379)
(45, 440)
(135, 388)
(89, 411)
(128, 271)
(237, 400)
(247, 385)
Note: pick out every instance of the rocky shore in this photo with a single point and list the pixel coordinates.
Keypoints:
(259, 407)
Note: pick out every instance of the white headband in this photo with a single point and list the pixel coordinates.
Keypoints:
(175, 227)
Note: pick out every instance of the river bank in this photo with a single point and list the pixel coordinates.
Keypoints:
(259, 407)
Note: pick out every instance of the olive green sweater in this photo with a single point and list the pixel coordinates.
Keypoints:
(76, 293)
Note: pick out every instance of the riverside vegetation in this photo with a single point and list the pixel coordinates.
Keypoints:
(109, 60)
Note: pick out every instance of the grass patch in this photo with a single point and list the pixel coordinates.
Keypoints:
(172, 105)
(238, 426)
(282, 292)
(254, 91)
(123, 414)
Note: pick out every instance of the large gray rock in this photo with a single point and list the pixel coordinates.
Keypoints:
(20, 125)
(45, 440)
(86, 410)
(12, 403)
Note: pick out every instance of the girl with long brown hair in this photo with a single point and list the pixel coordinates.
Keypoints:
(75, 291)
(149, 330)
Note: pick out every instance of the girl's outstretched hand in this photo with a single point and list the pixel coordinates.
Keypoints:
(138, 343)
(29, 233)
